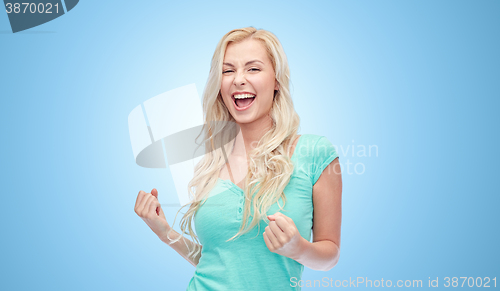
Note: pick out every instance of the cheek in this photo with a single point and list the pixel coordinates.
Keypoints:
(224, 88)
(269, 102)
(226, 82)
(263, 83)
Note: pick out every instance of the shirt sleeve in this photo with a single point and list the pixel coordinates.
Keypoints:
(324, 154)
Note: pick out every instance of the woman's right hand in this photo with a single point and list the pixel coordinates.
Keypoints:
(149, 209)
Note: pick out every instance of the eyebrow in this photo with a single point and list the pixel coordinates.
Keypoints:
(249, 62)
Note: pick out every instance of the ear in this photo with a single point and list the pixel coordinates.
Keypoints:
(276, 85)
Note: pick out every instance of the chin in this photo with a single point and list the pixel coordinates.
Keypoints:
(244, 120)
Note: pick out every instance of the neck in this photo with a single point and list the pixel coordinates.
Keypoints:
(250, 135)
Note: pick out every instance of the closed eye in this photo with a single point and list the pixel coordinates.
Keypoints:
(252, 69)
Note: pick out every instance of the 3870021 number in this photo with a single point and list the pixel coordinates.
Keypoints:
(471, 282)
(31, 8)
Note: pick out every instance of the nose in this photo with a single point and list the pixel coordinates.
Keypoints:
(239, 79)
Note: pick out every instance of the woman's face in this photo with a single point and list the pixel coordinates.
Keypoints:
(248, 70)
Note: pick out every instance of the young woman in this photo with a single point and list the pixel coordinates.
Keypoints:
(253, 207)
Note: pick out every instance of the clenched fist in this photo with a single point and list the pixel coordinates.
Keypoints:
(149, 209)
(282, 236)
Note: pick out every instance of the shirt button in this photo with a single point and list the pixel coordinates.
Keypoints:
(239, 210)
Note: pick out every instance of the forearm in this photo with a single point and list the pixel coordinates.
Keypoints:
(320, 255)
(180, 246)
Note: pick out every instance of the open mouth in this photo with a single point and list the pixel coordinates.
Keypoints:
(243, 101)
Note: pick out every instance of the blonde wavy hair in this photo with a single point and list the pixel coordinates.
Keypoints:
(270, 166)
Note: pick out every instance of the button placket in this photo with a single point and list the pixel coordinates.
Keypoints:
(236, 190)
(239, 214)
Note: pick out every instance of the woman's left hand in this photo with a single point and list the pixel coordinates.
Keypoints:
(282, 236)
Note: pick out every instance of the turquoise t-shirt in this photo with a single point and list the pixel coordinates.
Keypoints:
(245, 263)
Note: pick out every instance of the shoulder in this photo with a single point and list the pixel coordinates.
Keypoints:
(318, 152)
(310, 144)
(308, 140)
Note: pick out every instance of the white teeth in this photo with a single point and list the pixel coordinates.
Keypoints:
(243, 96)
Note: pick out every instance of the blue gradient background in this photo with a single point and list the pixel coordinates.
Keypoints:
(417, 79)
